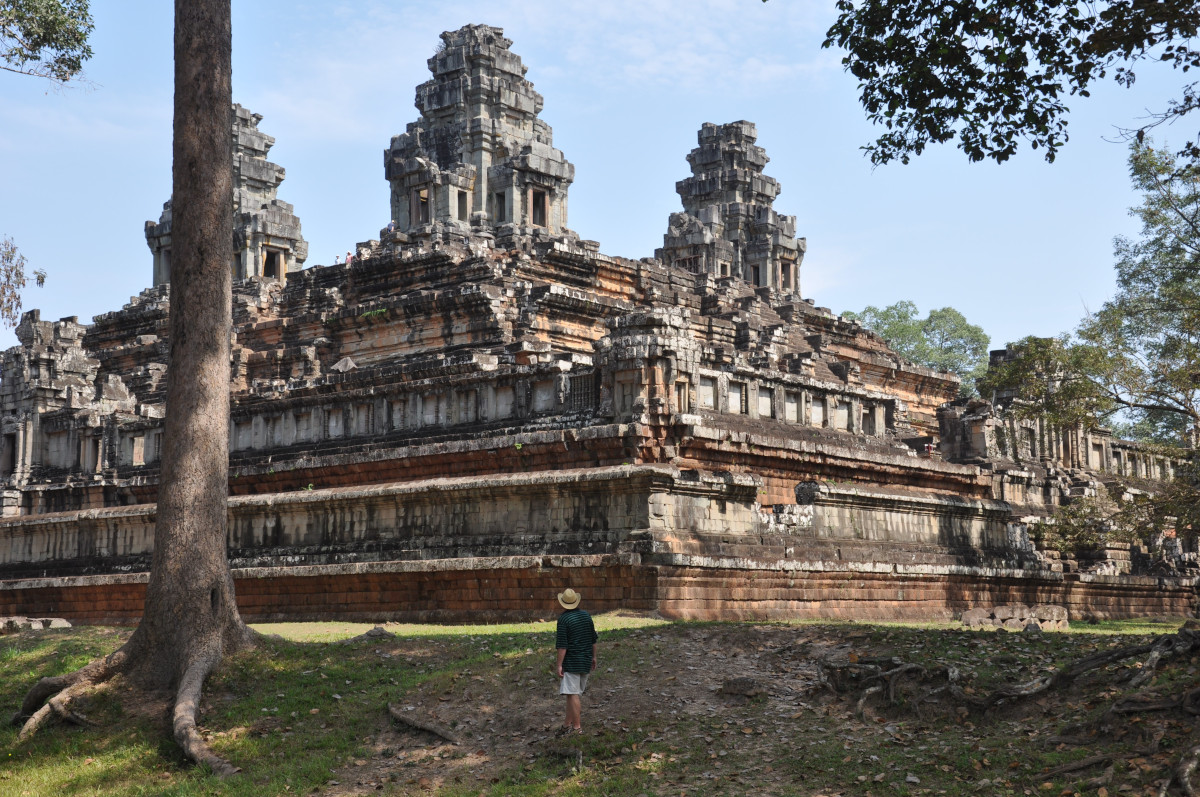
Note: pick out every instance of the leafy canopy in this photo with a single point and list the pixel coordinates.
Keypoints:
(45, 38)
(944, 340)
(992, 73)
(1137, 359)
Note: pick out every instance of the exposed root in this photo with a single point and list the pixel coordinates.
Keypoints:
(429, 726)
(862, 701)
(96, 672)
(873, 678)
(1076, 766)
(1164, 647)
(51, 697)
(1185, 769)
(183, 720)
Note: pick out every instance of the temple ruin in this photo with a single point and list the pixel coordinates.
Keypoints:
(266, 236)
(482, 406)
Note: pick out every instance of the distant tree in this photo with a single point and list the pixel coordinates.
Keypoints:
(191, 620)
(12, 280)
(41, 38)
(1135, 361)
(992, 73)
(45, 38)
(943, 340)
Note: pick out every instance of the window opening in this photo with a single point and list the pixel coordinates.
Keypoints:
(8, 456)
(423, 206)
(583, 393)
(539, 208)
(501, 215)
(739, 399)
(462, 205)
(766, 402)
(271, 268)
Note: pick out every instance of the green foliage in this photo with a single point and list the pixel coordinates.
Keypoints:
(12, 280)
(992, 73)
(1137, 359)
(45, 38)
(1083, 524)
(944, 340)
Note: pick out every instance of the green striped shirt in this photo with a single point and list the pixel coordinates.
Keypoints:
(576, 634)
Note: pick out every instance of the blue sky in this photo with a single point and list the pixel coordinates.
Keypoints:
(1020, 248)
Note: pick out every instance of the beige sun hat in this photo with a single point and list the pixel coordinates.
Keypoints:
(569, 598)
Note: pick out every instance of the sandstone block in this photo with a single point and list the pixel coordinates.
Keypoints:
(1049, 611)
(1013, 625)
(1011, 611)
(974, 618)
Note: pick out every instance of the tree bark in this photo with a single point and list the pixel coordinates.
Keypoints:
(191, 618)
(190, 621)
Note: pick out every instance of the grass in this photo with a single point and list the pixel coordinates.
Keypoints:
(304, 710)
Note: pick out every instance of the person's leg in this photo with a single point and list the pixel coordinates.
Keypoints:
(573, 709)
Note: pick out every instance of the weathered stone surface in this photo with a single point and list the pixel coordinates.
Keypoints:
(1014, 611)
(729, 227)
(974, 618)
(1018, 616)
(1049, 611)
(12, 625)
(267, 242)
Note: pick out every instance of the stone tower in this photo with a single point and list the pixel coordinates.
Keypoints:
(728, 227)
(266, 233)
(479, 160)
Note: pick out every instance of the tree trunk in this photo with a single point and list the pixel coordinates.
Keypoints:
(190, 611)
(190, 619)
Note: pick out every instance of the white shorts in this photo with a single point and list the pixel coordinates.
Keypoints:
(573, 683)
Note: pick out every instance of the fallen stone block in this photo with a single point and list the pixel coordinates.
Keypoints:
(974, 618)
(11, 625)
(1011, 611)
(1049, 611)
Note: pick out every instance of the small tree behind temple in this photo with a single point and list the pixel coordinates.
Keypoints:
(944, 340)
(1136, 360)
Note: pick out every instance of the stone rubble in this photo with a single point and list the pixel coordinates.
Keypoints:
(1018, 617)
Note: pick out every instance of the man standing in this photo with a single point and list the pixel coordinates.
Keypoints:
(576, 643)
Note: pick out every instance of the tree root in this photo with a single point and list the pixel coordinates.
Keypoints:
(51, 697)
(1164, 647)
(874, 677)
(1185, 769)
(429, 726)
(1076, 766)
(183, 720)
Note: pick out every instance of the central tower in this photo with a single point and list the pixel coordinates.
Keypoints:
(479, 160)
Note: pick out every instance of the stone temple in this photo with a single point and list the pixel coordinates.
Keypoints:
(482, 407)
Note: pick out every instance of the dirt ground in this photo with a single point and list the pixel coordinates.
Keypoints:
(663, 680)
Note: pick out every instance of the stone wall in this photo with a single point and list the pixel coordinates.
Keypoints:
(684, 543)
(523, 588)
(568, 512)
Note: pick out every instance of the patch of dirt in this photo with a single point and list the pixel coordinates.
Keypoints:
(663, 677)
